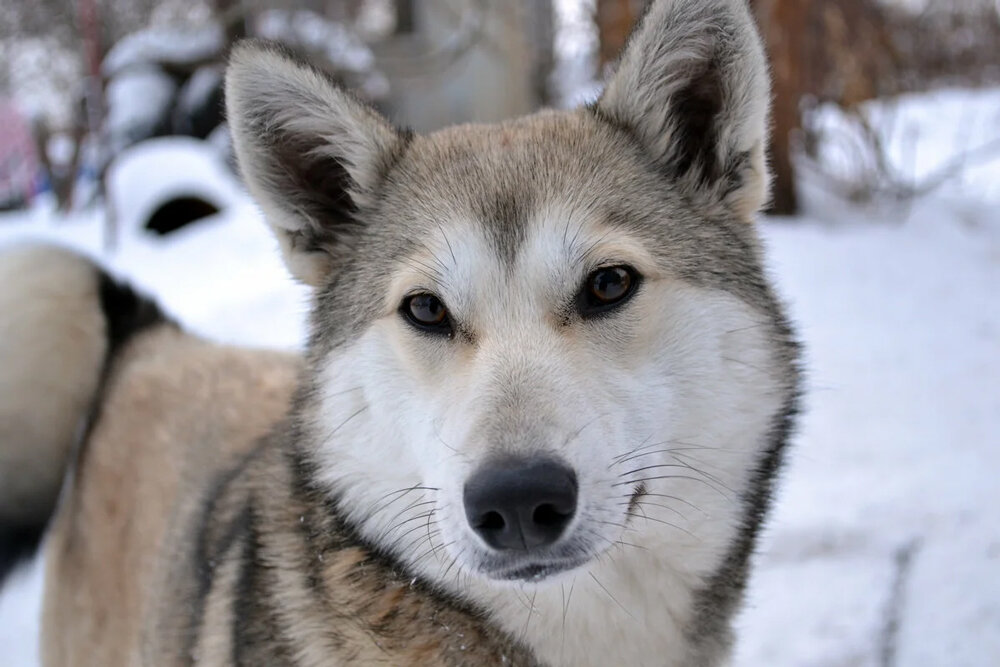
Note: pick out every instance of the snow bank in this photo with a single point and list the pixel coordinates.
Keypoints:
(898, 446)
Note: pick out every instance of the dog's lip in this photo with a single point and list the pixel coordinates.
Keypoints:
(536, 571)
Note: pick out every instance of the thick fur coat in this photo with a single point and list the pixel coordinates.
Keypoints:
(579, 293)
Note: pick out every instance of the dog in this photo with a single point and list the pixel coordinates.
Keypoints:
(538, 420)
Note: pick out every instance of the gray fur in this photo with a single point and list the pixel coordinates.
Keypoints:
(240, 529)
(693, 86)
(672, 153)
(310, 152)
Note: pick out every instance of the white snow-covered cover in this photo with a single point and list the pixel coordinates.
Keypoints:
(138, 101)
(145, 176)
(341, 47)
(164, 45)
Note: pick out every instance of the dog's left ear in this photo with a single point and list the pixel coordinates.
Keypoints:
(312, 154)
(692, 85)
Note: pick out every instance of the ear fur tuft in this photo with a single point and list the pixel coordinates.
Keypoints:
(312, 154)
(692, 85)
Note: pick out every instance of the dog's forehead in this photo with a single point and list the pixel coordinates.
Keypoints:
(559, 180)
(503, 183)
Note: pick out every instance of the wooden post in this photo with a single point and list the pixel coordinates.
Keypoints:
(783, 25)
(615, 19)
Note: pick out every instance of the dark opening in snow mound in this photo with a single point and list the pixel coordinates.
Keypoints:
(179, 212)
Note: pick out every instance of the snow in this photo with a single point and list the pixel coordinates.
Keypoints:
(924, 136)
(884, 546)
(898, 445)
(139, 100)
(576, 42)
(342, 48)
(164, 45)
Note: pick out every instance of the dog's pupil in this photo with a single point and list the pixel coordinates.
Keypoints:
(427, 308)
(611, 284)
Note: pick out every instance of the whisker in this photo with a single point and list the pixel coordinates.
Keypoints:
(433, 550)
(651, 467)
(677, 498)
(665, 523)
(688, 477)
(629, 503)
(707, 475)
(531, 608)
(404, 492)
(451, 250)
(399, 539)
(597, 581)
(642, 445)
(344, 391)
(415, 503)
(343, 423)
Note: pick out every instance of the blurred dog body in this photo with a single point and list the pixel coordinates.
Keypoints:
(544, 399)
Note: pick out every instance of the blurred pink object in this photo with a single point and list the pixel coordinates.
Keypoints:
(19, 165)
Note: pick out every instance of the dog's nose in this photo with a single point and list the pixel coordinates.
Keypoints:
(520, 504)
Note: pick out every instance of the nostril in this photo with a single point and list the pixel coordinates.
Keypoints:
(491, 521)
(548, 515)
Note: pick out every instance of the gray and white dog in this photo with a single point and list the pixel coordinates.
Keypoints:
(539, 418)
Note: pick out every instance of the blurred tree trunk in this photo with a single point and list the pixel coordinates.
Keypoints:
(783, 25)
(540, 17)
(615, 19)
(406, 22)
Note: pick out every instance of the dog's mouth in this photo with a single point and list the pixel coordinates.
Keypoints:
(536, 571)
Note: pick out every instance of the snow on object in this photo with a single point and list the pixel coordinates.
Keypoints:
(342, 48)
(166, 46)
(139, 101)
(149, 174)
(222, 141)
(309, 30)
(923, 136)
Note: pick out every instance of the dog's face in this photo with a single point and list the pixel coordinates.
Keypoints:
(537, 343)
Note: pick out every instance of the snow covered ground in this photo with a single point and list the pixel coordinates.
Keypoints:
(884, 548)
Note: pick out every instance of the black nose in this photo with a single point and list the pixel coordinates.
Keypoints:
(521, 504)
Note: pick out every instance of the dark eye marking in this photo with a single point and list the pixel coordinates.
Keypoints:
(607, 288)
(427, 312)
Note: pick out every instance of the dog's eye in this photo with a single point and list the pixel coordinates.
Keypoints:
(426, 312)
(607, 288)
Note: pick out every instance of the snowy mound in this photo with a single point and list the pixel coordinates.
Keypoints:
(153, 172)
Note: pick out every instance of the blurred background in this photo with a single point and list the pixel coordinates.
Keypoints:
(883, 235)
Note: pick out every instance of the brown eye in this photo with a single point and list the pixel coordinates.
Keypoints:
(426, 312)
(607, 288)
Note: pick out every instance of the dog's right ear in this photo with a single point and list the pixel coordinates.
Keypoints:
(692, 87)
(312, 154)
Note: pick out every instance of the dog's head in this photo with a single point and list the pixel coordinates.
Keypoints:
(540, 341)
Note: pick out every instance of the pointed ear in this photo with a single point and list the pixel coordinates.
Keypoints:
(693, 86)
(312, 155)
